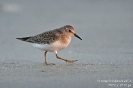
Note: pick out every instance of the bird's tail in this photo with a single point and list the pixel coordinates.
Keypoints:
(24, 38)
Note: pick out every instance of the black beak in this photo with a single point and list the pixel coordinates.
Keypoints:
(77, 36)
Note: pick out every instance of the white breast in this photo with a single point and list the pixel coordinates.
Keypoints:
(54, 47)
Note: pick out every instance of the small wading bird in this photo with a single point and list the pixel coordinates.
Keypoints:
(53, 41)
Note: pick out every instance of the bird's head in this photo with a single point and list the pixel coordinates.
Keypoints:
(70, 31)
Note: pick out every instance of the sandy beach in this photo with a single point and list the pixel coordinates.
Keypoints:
(105, 55)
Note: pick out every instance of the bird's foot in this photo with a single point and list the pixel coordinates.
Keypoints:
(45, 63)
(70, 61)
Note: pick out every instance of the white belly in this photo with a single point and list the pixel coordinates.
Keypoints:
(54, 47)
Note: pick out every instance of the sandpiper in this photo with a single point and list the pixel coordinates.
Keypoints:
(53, 41)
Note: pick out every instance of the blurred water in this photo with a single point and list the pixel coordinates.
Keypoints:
(104, 26)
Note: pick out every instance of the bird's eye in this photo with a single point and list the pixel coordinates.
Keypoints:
(69, 30)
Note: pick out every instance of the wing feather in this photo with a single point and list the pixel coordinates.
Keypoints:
(44, 38)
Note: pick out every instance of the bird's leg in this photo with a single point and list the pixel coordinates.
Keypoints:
(45, 62)
(69, 61)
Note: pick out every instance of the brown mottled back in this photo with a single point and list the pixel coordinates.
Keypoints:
(50, 36)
